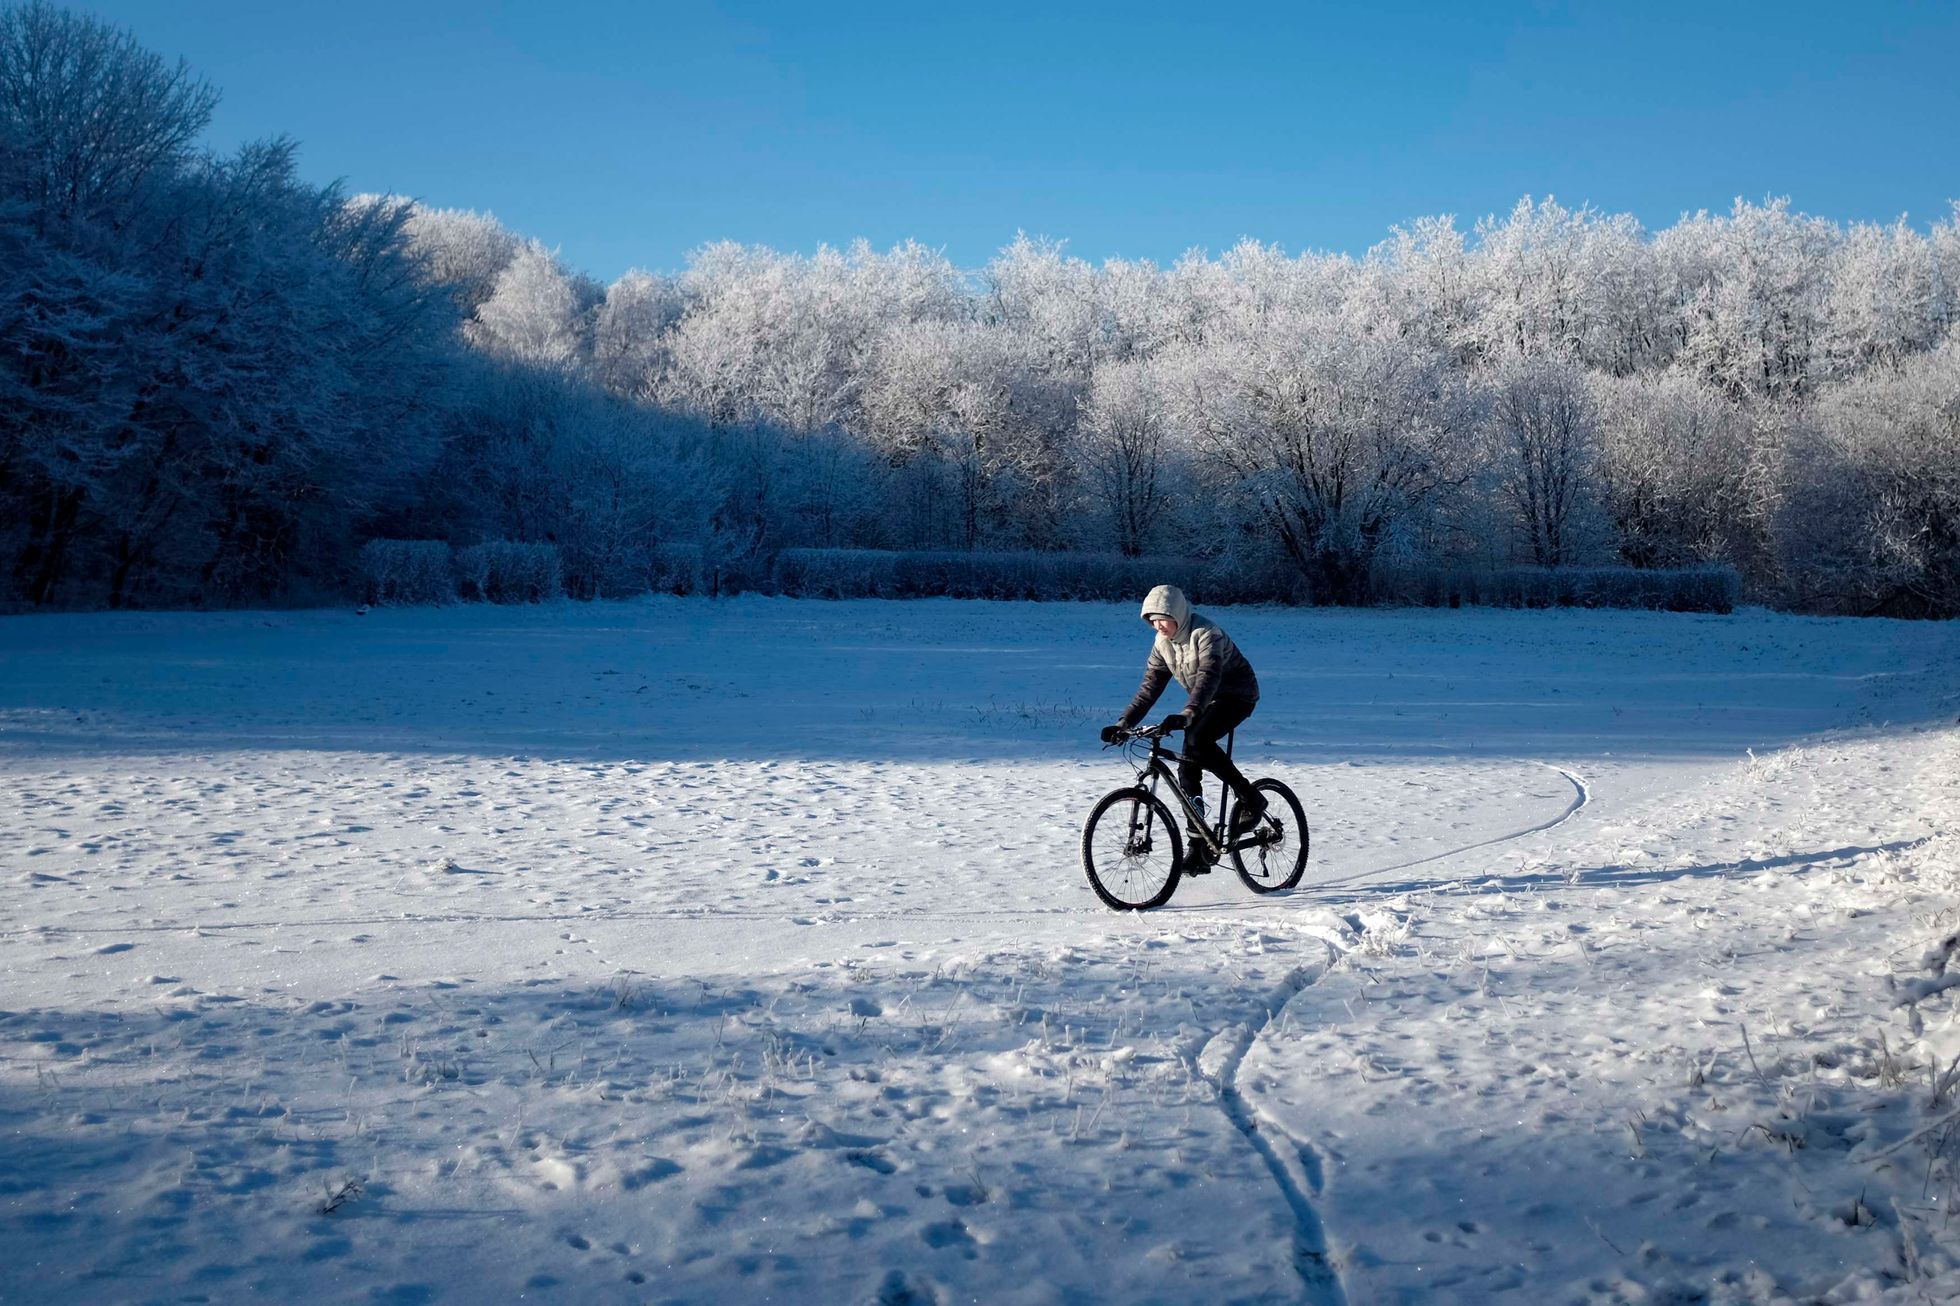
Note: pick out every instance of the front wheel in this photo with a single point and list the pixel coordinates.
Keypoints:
(1275, 851)
(1130, 850)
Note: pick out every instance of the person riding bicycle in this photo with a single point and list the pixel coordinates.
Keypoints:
(1221, 692)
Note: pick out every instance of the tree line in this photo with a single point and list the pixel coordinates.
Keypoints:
(219, 382)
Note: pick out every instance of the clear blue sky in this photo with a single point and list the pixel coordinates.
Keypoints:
(628, 134)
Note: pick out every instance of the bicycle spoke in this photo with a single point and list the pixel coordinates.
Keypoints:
(1276, 856)
(1130, 851)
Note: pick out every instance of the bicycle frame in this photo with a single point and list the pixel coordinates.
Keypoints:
(1156, 768)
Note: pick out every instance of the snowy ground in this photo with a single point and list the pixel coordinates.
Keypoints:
(692, 951)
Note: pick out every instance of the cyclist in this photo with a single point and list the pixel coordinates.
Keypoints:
(1221, 692)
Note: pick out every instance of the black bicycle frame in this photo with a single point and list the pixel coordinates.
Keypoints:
(1157, 768)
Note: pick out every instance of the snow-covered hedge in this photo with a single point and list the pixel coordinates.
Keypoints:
(674, 569)
(511, 571)
(878, 573)
(407, 571)
(1678, 589)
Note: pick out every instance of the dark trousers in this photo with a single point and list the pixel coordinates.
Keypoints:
(1201, 750)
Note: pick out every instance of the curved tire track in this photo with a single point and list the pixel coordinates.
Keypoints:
(1295, 1169)
(1582, 795)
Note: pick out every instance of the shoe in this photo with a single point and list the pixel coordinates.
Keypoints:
(1197, 859)
(1246, 816)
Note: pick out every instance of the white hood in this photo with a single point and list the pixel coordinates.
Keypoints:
(1170, 601)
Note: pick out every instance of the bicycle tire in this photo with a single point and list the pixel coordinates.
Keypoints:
(1124, 875)
(1278, 863)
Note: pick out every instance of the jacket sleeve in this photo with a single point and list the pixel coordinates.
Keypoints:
(1156, 674)
(1211, 666)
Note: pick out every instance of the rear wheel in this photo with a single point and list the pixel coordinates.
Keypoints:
(1279, 857)
(1130, 850)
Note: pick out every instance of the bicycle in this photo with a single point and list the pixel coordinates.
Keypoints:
(1129, 828)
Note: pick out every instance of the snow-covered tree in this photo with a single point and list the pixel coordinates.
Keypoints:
(1536, 300)
(629, 336)
(1422, 285)
(1124, 430)
(1340, 443)
(1870, 522)
(1884, 299)
(1674, 471)
(1756, 317)
(462, 251)
(1945, 241)
(1543, 429)
(533, 315)
(91, 123)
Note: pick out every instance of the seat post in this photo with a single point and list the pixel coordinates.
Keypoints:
(1224, 788)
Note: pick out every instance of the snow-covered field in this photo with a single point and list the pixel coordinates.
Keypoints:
(691, 951)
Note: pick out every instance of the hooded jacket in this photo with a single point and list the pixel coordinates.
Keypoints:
(1202, 658)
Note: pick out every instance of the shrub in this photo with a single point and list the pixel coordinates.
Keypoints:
(674, 569)
(1677, 589)
(510, 571)
(407, 571)
(837, 573)
(880, 573)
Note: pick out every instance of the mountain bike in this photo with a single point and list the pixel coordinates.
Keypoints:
(1132, 849)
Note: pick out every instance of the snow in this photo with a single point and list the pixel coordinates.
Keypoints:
(691, 951)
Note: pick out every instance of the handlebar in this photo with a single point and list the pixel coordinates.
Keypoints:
(1152, 733)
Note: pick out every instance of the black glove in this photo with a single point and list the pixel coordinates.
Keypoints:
(1113, 734)
(1175, 721)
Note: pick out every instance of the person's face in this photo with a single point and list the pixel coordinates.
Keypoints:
(1165, 626)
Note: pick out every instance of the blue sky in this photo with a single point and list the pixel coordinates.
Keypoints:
(629, 134)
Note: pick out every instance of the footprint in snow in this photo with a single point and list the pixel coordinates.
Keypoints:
(897, 1290)
(949, 1233)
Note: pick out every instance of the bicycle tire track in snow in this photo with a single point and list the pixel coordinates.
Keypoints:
(1292, 1164)
(1582, 796)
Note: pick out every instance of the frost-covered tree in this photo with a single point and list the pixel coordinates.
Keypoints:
(1870, 522)
(307, 390)
(1884, 299)
(1125, 428)
(1543, 429)
(1536, 299)
(211, 366)
(974, 423)
(91, 123)
(1945, 242)
(612, 474)
(1631, 322)
(533, 314)
(462, 251)
(1340, 444)
(629, 335)
(94, 131)
(1756, 311)
(1674, 471)
(1423, 285)
(787, 339)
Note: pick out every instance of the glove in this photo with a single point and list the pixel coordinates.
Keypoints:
(1112, 734)
(1175, 721)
